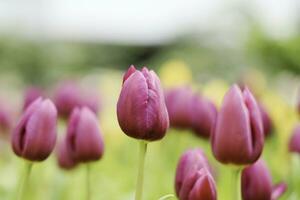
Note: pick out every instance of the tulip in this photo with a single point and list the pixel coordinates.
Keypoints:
(64, 158)
(84, 140)
(193, 177)
(266, 120)
(69, 96)
(294, 143)
(31, 95)
(35, 134)
(179, 106)
(257, 183)
(238, 133)
(141, 109)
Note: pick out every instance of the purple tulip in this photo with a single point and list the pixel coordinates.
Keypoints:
(64, 157)
(179, 106)
(35, 135)
(84, 140)
(238, 133)
(203, 116)
(69, 96)
(267, 121)
(141, 108)
(193, 177)
(294, 144)
(31, 94)
(6, 119)
(257, 183)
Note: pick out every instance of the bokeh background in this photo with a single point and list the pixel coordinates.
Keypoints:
(206, 44)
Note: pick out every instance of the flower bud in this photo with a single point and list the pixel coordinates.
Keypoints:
(238, 133)
(141, 108)
(266, 120)
(84, 140)
(193, 177)
(257, 183)
(294, 144)
(31, 95)
(35, 134)
(69, 96)
(64, 157)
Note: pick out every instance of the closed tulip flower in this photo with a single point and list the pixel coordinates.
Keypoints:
(35, 135)
(257, 183)
(64, 157)
(193, 177)
(31, 94)
(238, 133)
(266, 119)
(84, 140)
(141, 109)
(294, 144)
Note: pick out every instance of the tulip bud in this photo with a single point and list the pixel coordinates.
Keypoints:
(31, 95)
(69, 96)
(193, 178)
(35, 135)
(64, 157)
(203, 116)
(294, 144)
(238, 133)
(178, 102)
(257, 183)
(266, 120)
(141, 108)
(84, 140)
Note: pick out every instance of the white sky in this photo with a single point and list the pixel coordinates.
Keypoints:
(145, 22)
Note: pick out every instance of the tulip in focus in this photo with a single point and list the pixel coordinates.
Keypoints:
(141, 109)
(31, 94)
(193, 177)
(257, 183)
(35, 134)
(294, 144)
(238, 133)
(84, 140)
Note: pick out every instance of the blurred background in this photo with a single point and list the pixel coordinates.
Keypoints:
(206, 44)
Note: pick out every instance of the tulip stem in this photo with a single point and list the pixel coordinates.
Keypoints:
(24, 180)
(88, 185)
(140, 177)
(237, 187)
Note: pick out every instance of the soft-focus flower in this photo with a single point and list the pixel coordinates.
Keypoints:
(69, 96)
(31, 94)
(64, 157)
(238, 133)
(193, 177)
(294, 144)
(6, 119)
(257, 183)
(141, 108)
(35, 135)
(84, 140)
(266, 120)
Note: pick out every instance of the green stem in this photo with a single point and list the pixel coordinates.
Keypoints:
(237, 189)
(140, 177)
(88, 185)
(24, 180)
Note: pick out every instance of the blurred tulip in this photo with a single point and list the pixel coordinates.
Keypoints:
(257, 183)
(141, 108)
(69, 96)
(35, 134)
(178, 102)
(64, 157)
(31, 94)
(193, 178)
(6, 119)
(84, 140)
(294, 144)
(238, 133)
(266, 120)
